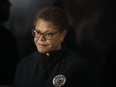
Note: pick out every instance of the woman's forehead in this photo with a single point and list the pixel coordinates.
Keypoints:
(45, 24)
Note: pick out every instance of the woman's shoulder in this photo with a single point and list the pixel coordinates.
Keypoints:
(28, 59)
(76, 59)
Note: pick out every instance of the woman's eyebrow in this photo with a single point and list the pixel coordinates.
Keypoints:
(48, 31)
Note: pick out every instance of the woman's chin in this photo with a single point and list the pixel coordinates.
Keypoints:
(43, 51)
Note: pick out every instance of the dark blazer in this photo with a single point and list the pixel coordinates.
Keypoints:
(39, 70)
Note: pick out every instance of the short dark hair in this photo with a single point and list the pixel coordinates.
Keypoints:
(55, 15)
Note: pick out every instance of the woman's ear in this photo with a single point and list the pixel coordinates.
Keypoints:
(64, 32)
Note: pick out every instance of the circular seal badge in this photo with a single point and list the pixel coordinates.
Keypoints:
(59, 80)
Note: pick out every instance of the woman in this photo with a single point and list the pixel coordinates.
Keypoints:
(53, 65)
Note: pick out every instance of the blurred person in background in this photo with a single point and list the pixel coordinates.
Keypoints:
(8, 47)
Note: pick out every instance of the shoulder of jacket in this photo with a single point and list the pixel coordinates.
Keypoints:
(76, 58)
(28, 59)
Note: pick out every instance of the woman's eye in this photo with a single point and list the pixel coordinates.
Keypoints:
(38, 32)
(49, 34)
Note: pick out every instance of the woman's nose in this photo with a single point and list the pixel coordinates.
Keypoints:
(42, 38)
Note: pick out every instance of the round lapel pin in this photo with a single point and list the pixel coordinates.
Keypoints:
(59, 80)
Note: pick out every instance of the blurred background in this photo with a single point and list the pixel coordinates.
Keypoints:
(92, 32)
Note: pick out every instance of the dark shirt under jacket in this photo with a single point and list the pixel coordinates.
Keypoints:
(38, 70)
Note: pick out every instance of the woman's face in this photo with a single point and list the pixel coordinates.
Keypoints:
(50, 37)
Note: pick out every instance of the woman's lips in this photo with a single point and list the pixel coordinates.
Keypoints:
(43, 44)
